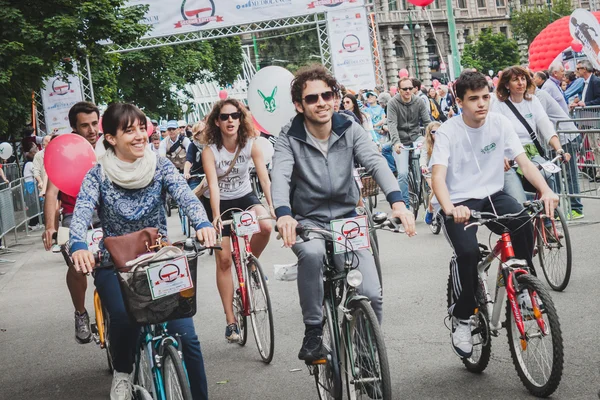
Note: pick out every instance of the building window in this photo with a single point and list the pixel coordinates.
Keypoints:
(399, 50)
(393, 5)
(461, 3)
(431, 46)
(500, 3)
(504, 30)
(481, 4)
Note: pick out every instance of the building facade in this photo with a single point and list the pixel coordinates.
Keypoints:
(408, 40)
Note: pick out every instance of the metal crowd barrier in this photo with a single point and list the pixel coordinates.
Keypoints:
(11, 171)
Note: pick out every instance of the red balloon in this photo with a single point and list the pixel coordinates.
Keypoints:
(223, 94)
(149, 127)
(67, 159)
(258, 126)
(420, 3)
(393, 90)
(576, 45)
(403, 73)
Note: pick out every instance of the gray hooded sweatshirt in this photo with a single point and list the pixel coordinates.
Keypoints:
(404, 119)
(308, 185)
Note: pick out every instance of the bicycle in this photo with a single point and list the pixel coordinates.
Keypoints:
(352, 337)
(368, 189)
(436, 222)
(251, 300)
(186, 225)
(415, 192)
(532, 323)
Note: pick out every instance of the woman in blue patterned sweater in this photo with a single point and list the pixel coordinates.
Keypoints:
(128, 187)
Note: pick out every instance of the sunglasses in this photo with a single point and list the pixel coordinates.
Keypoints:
(406, 88)
(233, 115)
(314, 98)
(578, 68)
(433, 132)
(171, 129)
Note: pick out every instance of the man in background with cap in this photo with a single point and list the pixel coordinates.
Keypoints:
(175, 145)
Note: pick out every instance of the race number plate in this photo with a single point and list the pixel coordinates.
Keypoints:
(169, 277)
(93, 239)
(246, 223)
(350, 234)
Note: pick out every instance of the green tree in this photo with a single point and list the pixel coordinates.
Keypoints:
(40, 37)
(490, 51)
(528, 22)
(289, 48)
(153, 78)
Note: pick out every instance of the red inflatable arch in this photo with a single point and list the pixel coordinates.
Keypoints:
(554, 39)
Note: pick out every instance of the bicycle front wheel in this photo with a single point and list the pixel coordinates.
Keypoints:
(538, 357)
(367, 370)
(144, 375)
(106, 339)
(261, 314)
(327, 372)
(554, 252)
(175, 379)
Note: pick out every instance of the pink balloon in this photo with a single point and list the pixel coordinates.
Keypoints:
(420, 3)
(495, 81)
(393, 90)
(223, 94)
(67, 159)
(576, 45)
(100, 125)
(436, 83)
(403, 73)
(149, 127)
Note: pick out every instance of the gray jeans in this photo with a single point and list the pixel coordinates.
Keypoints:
(514, 187)
(310, 276)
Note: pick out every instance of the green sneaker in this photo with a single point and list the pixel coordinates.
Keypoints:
(576, 215)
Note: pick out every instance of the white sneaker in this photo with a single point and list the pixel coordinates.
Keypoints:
(462, 340)
(121, 388)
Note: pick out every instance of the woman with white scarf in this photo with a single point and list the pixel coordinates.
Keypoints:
(128, 187)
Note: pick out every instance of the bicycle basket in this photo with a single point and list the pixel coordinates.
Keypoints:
(143, 310)
(370, 187)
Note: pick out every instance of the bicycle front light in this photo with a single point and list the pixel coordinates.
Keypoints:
(354, 278)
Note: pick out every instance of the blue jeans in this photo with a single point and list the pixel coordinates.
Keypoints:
(387, 153)
(573, 174)
(124, 334)
(514, 186)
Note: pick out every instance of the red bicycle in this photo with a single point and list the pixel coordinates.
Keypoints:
(251, 290)
(532, 325)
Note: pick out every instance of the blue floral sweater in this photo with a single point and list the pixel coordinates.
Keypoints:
(125, 211)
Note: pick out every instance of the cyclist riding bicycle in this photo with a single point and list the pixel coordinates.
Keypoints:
(313, 185)
(193, 158)
(175, 145)
(128, 187)
(468, 174)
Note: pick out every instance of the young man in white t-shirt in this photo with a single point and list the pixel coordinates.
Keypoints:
(468, 174)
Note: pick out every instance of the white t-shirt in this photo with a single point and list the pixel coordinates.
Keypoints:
(237, 183)
(535, 115)
(488, 145)
(167, 143)
(28, 171)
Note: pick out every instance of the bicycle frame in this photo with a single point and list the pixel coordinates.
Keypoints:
(239, 270)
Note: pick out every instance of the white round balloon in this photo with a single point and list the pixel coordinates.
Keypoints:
(270, 99)
(6, 150)
(266, 148)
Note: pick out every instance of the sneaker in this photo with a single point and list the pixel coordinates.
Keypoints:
(462, 340)
(35, 227)
(121, 387)
(312, 346)
(576, 215)
(428, 217)
(83, 333)
(232, 333)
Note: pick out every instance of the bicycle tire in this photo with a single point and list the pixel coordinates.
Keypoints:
(364, 345)
(328, 377)
(482, 340)
(547, 387)
(258, 290)
(425, 192)
(144, 375)
(413, 198)
(175, 379)
(557, 273)
(238, 308)
(106, 344)
(375, 252)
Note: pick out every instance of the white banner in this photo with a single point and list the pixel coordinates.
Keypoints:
(170, 17)
(351, 54)
(584, 27)
(58, 96)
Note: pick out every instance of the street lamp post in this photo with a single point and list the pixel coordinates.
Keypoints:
(453, 42)
(410, 28)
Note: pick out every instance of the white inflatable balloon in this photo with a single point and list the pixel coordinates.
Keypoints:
(270, 99)
(266, 148)
(6, 150)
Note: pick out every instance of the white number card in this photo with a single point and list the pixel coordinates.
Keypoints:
(350, 234)
(169, 277)
(246, 223)
(93, 238)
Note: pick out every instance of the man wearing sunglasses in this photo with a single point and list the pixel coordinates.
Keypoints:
(313, 184)
(406, 114)
(174, 147)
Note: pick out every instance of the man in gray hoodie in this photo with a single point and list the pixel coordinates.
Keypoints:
(406, 113)
(313, 184)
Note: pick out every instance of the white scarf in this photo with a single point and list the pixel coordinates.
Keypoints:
(135, 175)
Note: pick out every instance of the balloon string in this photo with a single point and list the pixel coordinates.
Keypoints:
(434, 35)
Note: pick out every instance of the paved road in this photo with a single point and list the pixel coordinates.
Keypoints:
(40, 359)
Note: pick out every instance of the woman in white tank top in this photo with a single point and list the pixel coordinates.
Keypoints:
(229, 128)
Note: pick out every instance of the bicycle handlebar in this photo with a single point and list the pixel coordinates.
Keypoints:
(479, 218)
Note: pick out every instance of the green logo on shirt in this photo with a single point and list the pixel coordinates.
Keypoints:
(489, 148)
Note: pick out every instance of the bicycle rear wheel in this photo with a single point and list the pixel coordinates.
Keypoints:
(539, 359)
(261, 313)
(327, 372)
(366, 368)
(175, 379)
(554, 253)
